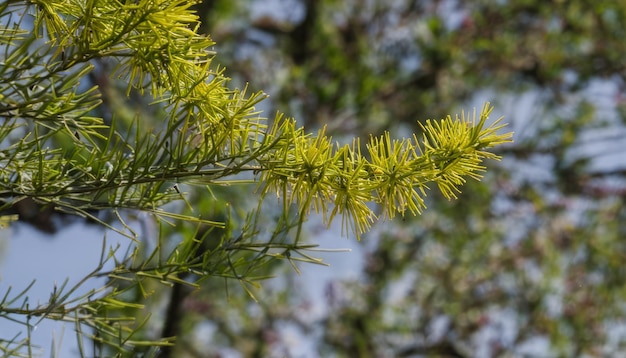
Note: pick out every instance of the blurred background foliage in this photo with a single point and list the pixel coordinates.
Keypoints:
(528, 263)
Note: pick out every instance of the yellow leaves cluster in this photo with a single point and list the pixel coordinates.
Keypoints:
(155, 42)
(312, 173)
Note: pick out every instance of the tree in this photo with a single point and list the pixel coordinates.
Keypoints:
(71, 144)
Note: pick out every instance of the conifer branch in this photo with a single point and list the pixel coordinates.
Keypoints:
(58, 149)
